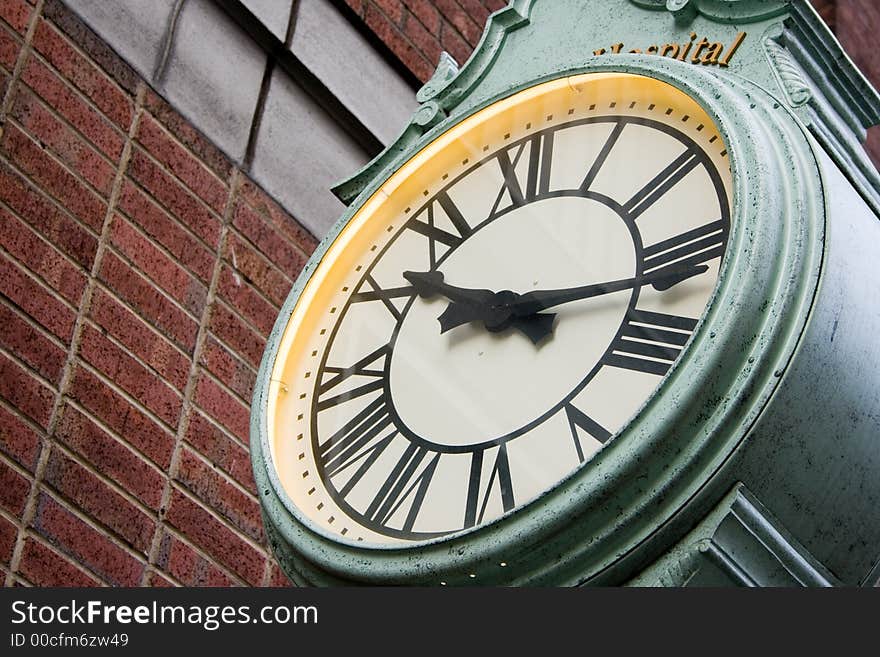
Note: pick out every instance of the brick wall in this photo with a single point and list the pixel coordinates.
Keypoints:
(417, 31)
(140, 273)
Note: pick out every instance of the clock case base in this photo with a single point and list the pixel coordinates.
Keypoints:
(740, 543)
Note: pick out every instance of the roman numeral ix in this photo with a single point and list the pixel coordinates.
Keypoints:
(376, 293)
(360, 368)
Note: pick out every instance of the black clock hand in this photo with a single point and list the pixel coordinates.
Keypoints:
(471, 305)
(430, 283)
(522, 311)
(533, 302)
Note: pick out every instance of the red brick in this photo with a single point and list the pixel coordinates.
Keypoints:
(425, 41)
(221, 449)
(454, 44)
(8, 536)
(264, 235)
(84, 75)
(93, 45)
(178, 200)
(41, 258)
(26, 393)
(187, 566)
(277, 577)
(145, 386)
(195, 141)
(47, 219)
(14, 489)
(4, 83)
(9, 48)
(162, 270)
(20, 442)
(393, 9)
(390, 35)
(59, 96)
(16, 13)
(89, 547)
(160, 581)
(111, 457)
(95, 498)
(242, 297)
(281, 221)
(229, 368)
(212, 536)
(54, 178)
(236, 334)
(223, 407)
(166, 230)
(31, 345)
(239, 508)
(148, 301)
(476, 11)
(454, 13)
(117, 413)
(45, 567)
(495, 5)
(137, 337)
(35, 300)
(195, 175)
(69, 147)
(257, 270)
(426, 12)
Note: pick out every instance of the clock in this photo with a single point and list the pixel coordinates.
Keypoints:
(517, 306)
(578, 326)
(499, 309)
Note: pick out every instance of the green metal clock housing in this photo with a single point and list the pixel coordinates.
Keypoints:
(756, 460)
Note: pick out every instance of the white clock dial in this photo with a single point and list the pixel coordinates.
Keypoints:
(490, 323)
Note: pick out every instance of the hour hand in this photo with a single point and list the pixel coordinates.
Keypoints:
(535, 327)
(425, 283)
(430, 283)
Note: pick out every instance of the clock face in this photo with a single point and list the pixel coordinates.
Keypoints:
(499, 310)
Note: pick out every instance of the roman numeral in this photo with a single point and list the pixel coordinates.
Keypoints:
(434, 234)
(355, 440)
(537, 182)
(602, 156)
(476, 504)
(409, 479)
(662, 183)
(650, 342)
(691, 248)
(360, 368)
(385, 296)
(577, 418)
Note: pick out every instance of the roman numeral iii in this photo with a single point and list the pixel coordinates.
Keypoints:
(650, 342)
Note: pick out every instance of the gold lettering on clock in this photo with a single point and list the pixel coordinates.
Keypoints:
(702, 51)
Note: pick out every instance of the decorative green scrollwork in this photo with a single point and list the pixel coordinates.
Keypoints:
(723, 11)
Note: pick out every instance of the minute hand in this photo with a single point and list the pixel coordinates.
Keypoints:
(534, 302)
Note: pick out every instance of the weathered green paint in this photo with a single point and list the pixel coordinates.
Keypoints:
(738, 543)
(745, 402)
